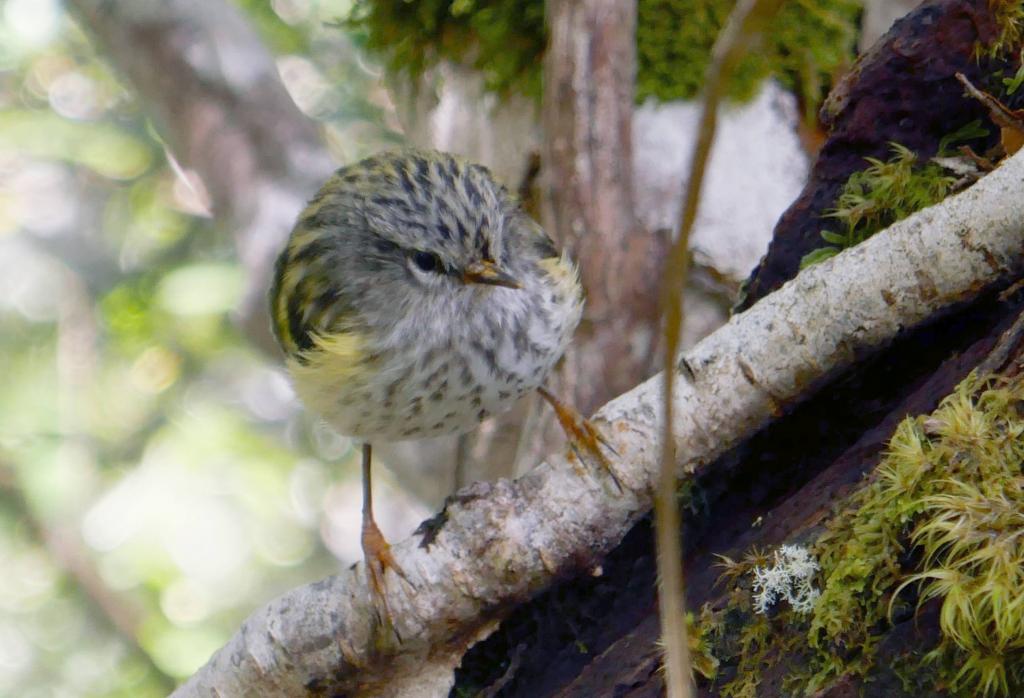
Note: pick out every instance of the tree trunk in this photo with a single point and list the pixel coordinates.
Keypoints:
(588, 204)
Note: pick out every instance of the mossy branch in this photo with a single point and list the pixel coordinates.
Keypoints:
(499, 544)
(940, 519)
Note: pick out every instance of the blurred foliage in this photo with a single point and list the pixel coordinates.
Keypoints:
(287, 34)
(503, 39)
(158, 480)
(808, 44)
(104, 148)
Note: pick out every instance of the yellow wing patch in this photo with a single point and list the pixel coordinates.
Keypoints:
(338, 363)
(564, 273)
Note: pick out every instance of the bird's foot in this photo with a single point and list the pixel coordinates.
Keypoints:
(583, 436)
(379, 559)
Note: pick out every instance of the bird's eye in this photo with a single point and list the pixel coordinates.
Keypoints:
(427, 261)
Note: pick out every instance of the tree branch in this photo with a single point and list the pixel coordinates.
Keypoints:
(215, 94)
(497, 544)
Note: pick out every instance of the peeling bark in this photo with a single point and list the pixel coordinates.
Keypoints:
(498, 544)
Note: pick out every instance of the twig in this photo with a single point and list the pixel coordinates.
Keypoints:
(1001, 115)
(743, 24)
(1006, 348)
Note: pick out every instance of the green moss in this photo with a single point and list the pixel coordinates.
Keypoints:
(943, 514)
(1014, 82)
(1009, 16)
(950, 490)
(747, 642)
(700, 642)
(279, 35)
(503, 39)
(808, 43)
(887, 191)
(756, 638)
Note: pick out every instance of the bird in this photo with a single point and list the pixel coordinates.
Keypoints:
(416, 298)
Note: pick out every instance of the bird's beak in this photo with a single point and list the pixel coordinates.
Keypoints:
(487, 272)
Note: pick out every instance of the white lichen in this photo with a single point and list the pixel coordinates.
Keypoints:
(791, 578)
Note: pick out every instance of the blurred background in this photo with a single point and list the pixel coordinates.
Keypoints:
(158, 480)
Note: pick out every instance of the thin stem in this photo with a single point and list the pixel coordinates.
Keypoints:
(743, 24)
(367, 486)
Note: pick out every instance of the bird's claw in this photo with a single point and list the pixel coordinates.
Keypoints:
(583, 436)
(601, 439)
(379, 559)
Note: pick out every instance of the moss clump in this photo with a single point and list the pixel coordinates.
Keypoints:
(951, 492)
(876, 197)
(1009, 15)
(943, 516)
(503, 39)
(745, 640)
(754, 652)
(700, 643)
(807, 43)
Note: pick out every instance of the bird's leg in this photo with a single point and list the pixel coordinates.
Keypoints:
(376, 550)
(582, 435)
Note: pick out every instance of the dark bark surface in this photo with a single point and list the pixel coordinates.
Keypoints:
(903, 90)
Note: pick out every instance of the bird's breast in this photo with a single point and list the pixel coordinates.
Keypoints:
(446, 375)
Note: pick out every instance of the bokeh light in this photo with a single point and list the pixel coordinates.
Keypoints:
(158, 479)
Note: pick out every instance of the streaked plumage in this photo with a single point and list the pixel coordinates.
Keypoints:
(383, 349)
(415, 298)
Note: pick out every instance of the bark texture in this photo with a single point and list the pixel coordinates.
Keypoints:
(496, 545)
(588, 204)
